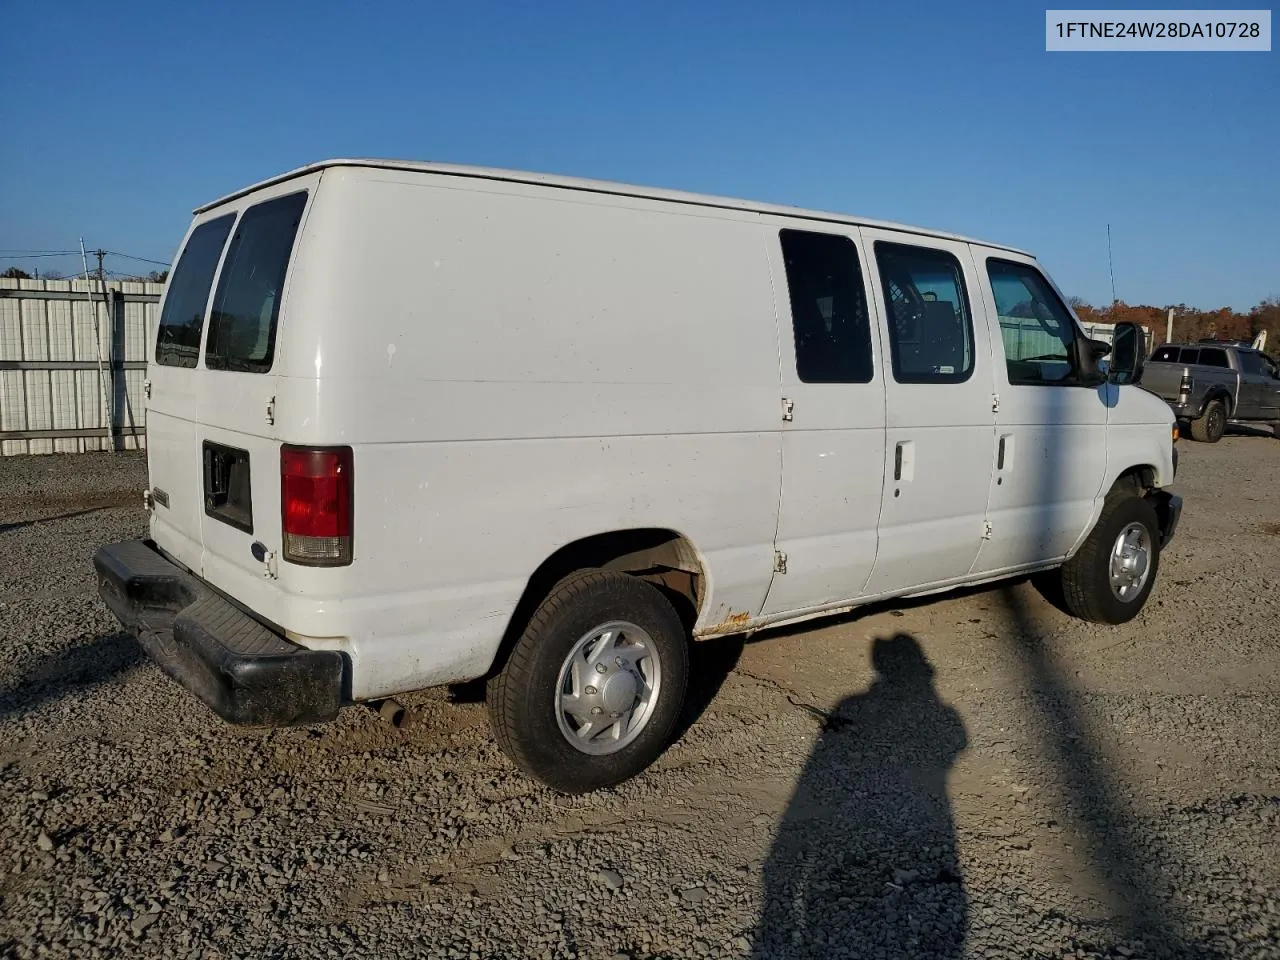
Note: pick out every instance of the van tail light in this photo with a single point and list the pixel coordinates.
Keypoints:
(316, 505)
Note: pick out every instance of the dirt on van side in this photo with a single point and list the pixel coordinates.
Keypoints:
(977, 775)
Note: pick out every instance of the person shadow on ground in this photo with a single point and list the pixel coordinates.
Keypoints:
(865, 861)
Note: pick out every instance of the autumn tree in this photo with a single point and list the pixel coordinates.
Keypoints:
(1266, 316)
(1189, 323)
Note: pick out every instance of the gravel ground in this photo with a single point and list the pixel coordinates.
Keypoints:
(973, 776)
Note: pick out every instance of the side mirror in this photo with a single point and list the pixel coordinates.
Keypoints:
(1127, 353)
(1087, 357)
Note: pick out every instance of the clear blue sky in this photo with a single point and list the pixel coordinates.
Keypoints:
(119, 118)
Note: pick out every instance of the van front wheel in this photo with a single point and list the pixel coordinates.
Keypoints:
(1111, 575)
(594, 686)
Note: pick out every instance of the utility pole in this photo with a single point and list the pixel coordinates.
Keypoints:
(1168, 332)
(111, 332)
(97, 342)
(117, 336)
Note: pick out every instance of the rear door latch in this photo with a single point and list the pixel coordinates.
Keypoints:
(265, 557)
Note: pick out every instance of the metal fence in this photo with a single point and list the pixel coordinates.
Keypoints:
(72, 364)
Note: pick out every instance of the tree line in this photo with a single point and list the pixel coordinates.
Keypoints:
(17, 273)
(1190, 323)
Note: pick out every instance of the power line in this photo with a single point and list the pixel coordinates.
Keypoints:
(37, 253)
(36, 256)
(40, 254)
(127, 256)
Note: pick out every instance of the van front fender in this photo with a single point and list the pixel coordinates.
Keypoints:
(1168, 507)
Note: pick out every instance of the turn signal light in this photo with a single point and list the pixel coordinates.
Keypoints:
(316, 505)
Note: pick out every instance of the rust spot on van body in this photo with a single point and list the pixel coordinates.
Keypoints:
(732, 623)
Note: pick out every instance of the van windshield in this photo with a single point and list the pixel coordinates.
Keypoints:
(182, 323)
(242, 324)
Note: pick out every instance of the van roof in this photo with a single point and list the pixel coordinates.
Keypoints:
(599, 186)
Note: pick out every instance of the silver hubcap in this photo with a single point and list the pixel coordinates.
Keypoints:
(608, 687)
(1130, 562)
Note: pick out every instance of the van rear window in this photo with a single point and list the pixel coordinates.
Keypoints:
(242, 324)
(182, 323)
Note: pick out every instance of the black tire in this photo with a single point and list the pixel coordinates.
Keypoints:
(1212, 424)
(1086, 577)
(521, 698)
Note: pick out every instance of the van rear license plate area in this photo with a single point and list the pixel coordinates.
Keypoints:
(227, 495)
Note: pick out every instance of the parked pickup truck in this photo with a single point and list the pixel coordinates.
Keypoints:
(1213, 383)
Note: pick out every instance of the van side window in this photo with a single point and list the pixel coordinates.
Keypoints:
(828, 308)
(1214, 357)
(1035, 326)
(242, 324)
(182, 323)
(930, 330)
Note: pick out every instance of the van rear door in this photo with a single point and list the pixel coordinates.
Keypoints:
(239, 450)
(173, 393)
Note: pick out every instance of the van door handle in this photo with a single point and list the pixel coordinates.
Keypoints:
(904, 463)
(1004, 453)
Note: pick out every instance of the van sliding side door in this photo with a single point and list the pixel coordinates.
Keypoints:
(939, 392)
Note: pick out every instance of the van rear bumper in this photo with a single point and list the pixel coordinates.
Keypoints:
(245, 672)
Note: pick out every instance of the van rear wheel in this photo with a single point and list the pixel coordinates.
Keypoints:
(1111, 575)
(1210, 427)
(594, 687)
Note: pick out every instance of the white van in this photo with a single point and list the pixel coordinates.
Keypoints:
(410, 424)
